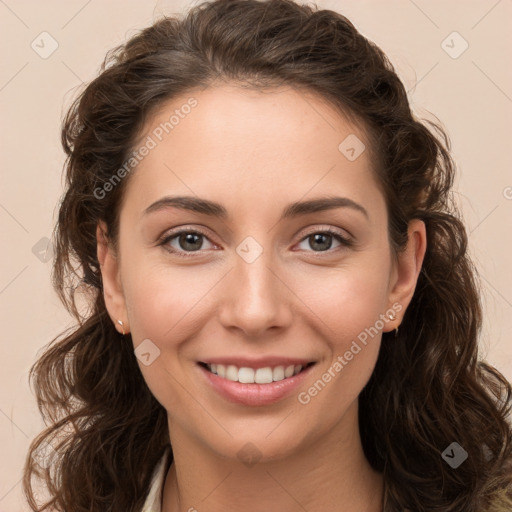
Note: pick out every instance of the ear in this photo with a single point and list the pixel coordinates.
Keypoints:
(110, 274)
(407, 269)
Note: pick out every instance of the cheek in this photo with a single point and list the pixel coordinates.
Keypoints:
(162, 303)
(348, 299)
(350, 310)
(160, 298)
(348, 303)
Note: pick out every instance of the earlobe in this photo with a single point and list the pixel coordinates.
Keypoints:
(110, 273)
(408, 267)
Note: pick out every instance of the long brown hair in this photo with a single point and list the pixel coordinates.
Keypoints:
(429, 387)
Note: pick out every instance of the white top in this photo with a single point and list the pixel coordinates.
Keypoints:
(153, 502)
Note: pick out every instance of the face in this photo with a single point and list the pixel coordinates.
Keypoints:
(252, 276)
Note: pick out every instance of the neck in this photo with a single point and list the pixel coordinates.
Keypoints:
(330, 474)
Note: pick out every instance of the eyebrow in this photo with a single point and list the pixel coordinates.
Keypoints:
(214, 209)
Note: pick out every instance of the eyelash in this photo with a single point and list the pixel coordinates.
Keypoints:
(344, 241)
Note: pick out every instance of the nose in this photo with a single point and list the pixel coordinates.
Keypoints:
(255, 299)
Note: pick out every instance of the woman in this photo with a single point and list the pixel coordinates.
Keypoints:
(284, 313)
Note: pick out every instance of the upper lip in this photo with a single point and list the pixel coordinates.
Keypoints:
(262, 362)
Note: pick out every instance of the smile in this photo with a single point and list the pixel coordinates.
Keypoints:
(246, 375)
(255, 383)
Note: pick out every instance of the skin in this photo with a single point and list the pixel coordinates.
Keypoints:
(255, 152)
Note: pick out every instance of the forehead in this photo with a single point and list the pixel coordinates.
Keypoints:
(250, 143)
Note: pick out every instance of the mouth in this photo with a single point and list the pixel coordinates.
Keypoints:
(250, 375)
(255, 384)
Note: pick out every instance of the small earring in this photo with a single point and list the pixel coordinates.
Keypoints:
(121, 324)
(392, 316)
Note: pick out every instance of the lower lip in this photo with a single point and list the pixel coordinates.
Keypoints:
(255, 394)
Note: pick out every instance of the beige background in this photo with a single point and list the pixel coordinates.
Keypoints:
(470, 94)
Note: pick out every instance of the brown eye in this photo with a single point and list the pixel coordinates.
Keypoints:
(322, 241)
(185, 241)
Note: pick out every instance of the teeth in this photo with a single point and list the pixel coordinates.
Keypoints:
(288, 372)
(250, 376)
(232, 373)
(278, 373)
(245, 375)
(263, 375)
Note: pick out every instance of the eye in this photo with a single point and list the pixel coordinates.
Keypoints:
(321, 241)
(185, 242)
